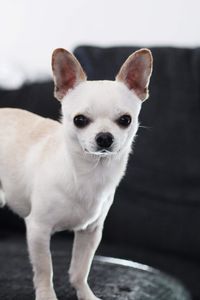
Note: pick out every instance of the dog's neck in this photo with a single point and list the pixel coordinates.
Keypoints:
(89, 163)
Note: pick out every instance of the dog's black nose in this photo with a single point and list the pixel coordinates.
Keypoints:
(104, 140)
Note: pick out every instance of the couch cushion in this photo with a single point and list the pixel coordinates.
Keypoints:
(36, 97)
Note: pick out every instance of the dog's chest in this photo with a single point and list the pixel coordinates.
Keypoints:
(87, 198)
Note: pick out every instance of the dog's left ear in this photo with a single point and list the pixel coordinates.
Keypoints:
(67, 72)
(135, 73)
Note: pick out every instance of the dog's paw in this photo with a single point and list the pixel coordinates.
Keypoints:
(86, 294)
(91, 298)
(45, 295)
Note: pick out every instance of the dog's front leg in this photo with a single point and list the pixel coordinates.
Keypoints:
(38, 238)
(85, 245)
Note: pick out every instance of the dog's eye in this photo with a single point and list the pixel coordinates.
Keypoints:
(124, 121)
(81, 121)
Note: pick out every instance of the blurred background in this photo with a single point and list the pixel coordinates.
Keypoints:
(30, 30)
(155, 219)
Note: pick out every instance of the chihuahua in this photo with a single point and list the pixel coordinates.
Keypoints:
(63, 175)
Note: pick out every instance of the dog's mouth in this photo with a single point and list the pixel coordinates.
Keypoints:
(101, 152)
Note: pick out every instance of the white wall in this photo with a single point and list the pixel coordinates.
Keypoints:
(31, 29)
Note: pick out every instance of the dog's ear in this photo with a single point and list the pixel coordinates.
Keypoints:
(67, 72)
(135, 73)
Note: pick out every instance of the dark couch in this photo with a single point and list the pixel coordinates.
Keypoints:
(155, 218)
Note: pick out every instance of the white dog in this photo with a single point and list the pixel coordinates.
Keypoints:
(61, 176)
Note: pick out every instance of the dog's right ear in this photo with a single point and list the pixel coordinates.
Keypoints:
(67, 72)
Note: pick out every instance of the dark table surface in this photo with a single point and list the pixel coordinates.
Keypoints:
(124, 279)
(109, 278)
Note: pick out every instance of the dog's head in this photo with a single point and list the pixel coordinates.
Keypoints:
(101, 117)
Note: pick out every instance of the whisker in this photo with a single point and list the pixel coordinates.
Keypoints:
(145, 127)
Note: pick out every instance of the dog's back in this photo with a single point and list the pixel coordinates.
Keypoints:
(20, 130)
